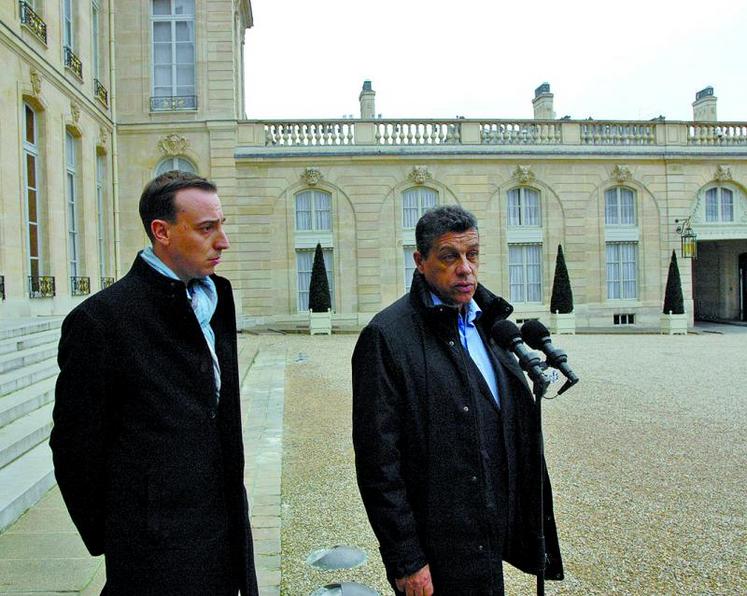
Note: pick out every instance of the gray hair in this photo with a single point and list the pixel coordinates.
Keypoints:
(439, 221)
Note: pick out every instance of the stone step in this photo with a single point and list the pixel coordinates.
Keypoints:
(16, 380)
(24, 434)
(31, 340)
(27, 356)
(28, 399)
(20, 327)
(23, 482)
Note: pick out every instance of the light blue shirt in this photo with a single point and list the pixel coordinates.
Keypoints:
(203, 297)
(473, 344)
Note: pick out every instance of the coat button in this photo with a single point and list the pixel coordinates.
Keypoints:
(473, 479)
(465, 409)
(480, 548)
(451, 343)
(212, 413)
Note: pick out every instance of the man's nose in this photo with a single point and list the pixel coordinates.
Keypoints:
(464, 267)
(221, 242)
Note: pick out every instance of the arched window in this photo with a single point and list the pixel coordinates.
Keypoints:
(175, 163)
(415, 202)
(619, 207)
(524, 207)
(314, 211)
(719, 205)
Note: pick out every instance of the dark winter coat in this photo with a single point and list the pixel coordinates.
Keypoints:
(420, 461)
(149, 464)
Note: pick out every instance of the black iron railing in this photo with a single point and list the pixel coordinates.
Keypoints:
(33, 22)
(101, 93)
(170, 103)
(73, 63)
(41, 286)
(80, 286)
(106, 282)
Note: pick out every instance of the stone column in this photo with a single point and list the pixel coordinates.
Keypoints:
(367, 99)
(542, 103)
(704, 106)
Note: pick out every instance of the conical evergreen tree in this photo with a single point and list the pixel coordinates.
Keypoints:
(673, 300)
(562, 295)
(319, 298)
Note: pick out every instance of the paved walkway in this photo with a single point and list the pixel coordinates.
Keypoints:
(42, 554)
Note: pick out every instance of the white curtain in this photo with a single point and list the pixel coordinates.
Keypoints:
(409, 265)
(415, 202)
(525, 272)
(304, 266)
(727, 205)
(622, 270)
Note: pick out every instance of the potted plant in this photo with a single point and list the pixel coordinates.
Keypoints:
(320, 302)
(673, 318)
(562, 317)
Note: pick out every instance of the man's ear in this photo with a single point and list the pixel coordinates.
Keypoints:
(160, 231)
(418, 260)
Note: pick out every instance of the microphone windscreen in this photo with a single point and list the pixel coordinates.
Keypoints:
(533, 332)
(504, 332)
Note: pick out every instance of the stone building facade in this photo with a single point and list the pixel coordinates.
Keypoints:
(609, 191)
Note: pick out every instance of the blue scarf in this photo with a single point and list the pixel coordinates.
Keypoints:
(203, 296)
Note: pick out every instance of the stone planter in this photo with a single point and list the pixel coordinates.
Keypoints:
(674, 324)
(563, 323)
(320, 323)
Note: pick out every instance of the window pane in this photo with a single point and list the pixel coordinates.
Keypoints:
(30, 171)
(611, 207)
(409, 209)
(409, 265)
(185, 77)
(727, 205)
(627, 206)
(69, 150)
(33, 240)
(184, 7)
(161, 7)
(161, 32)
(531, 207)
(712, 204)
(514, 207)
(184, 165)
(429, 199)
(303, 211)
(329, 267)
(613, 271)
(516, 273)
(185, 53)
(323, 215)
(184, 31)
(31, 200)
(30, 125)
(534, 272)
(304, 265)
(162, 53)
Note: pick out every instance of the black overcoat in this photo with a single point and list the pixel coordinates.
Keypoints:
(420, 463)
(149, 464)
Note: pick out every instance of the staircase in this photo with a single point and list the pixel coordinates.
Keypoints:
(28, 370)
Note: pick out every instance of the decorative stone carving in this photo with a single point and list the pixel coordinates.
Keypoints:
(622, 174)
(311, 176)
(524, 174)
(103, 136)
(75, 112)
(36, 81)
(723, 174)
(419, 174)
(173, 144)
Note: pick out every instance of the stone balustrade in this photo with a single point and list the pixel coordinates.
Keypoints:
(391, 133)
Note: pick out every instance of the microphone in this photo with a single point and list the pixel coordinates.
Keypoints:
(537, 336)
(506, 334)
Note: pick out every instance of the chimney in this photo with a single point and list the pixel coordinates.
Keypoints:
(704, 106)
(367, 99)
(542, 103)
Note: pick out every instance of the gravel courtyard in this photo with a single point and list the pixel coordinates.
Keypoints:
(646, 453)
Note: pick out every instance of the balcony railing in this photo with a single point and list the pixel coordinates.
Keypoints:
(590, 134)
(106, 282)
(101, 93)
(80, 286)
(41, 286)
(33, 22)
(2, 287)
(73, 63)
(173, 103)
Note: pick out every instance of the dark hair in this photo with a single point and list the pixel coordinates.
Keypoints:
(439, 221)
(157, 200)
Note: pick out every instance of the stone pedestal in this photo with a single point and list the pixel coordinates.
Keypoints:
(320, 323)
(563, 323)
(674, 324)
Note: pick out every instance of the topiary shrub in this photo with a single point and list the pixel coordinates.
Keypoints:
(319, 297)
(673, 301)
(562, 295)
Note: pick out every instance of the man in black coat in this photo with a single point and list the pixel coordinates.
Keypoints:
(147, 438)
(446, 442)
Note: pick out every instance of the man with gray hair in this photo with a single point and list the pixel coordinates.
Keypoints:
(446, 449)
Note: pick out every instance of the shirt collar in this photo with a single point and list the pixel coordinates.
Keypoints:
(473, 309)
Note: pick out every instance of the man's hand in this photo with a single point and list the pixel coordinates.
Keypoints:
(417, 584)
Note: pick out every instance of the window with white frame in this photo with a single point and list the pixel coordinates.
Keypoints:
(175, 163)
(409, 265)
(313, 211)
(415, 202)
(304, 266)
(173, 54)
(719, 205)
(525, 272)
(619, 207)
(71, 193)
(31, 171)
(67, 24)
(622, 270)
(95, 41)
(101, 215)
(524, 207)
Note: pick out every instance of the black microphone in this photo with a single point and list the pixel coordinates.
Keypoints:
(506, 334)
(538, 337)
